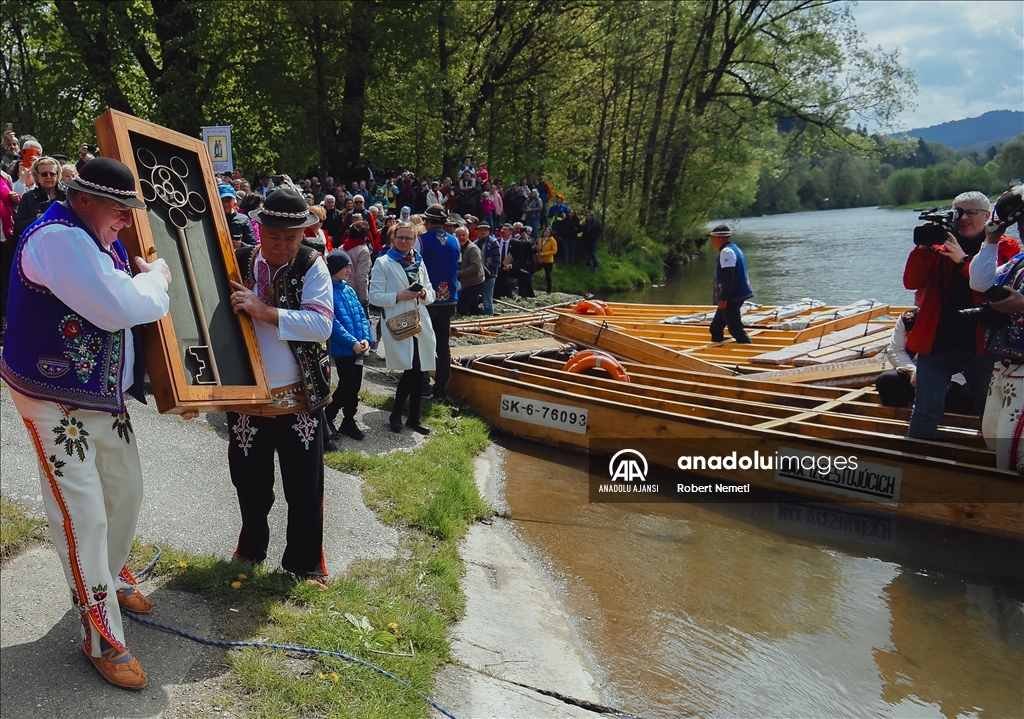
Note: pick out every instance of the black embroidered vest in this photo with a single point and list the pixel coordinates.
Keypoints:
(313, 357)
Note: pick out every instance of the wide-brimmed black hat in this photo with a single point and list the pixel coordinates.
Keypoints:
(435, 213)
(721, 231)
(284, 208)
(1009, 208)
(110, 178)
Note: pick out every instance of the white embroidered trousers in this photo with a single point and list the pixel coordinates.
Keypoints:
(91, 481)
(1002, 425)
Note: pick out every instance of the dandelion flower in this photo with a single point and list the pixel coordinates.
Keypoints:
(334, 676)
(236, 585)
(242, 576)
(393, 626)
(183, 565)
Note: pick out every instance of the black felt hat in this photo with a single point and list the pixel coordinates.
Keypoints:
(721, 231)
(110, 178)
(1009, 208)
(435, 213)
(284, 208)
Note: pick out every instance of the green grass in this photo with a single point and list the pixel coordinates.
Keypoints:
(637, 268)
(920, 205)
(408, 602)
(17, 528)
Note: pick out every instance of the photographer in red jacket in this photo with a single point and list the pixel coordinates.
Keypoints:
(945, 341)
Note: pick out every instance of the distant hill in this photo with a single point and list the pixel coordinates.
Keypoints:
(992, 128)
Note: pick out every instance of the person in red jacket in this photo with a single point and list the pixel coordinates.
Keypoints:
(945, 341)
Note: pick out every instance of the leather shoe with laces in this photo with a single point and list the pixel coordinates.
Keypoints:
(134, 601)
(119, 667)
(417, 427)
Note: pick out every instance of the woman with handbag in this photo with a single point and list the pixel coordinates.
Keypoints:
(400, 286)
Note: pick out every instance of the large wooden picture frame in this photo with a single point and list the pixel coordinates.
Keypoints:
(201, 356)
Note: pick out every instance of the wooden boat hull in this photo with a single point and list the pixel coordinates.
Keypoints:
(954, 490)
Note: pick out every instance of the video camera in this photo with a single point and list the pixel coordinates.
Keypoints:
(937, 222)
(984, 313)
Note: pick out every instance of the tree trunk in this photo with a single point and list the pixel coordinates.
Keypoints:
(358, 64)
(659, 105)
(449, 163)
(323, 115)
(95, 52)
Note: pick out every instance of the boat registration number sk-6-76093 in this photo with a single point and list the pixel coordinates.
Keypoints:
(546, 414)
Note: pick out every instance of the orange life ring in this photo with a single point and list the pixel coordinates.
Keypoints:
(592, 307)
(580, 356)
(591, 359)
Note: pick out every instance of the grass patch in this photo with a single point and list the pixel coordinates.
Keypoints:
(392, 612)
(920, 205)
(17, 529)
(637, 268)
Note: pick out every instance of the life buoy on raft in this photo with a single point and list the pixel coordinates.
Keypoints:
(592, 307)
(596, 359)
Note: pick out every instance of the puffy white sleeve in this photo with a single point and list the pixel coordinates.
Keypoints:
(69, 264)
(896, 352)
(983, 269)
(312, 322)
(727, 258)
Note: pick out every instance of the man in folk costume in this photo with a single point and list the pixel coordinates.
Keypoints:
(1002, 422)
(288, 295)
(71, 353)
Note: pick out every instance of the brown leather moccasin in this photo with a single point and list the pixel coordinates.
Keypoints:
(135, 602)
(120, 668)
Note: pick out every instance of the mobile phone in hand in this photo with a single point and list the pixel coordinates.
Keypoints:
(416, 287)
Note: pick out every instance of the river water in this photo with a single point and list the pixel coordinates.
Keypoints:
(779, 608)
(838, 256)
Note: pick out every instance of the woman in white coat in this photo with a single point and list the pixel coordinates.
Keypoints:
(393, 288)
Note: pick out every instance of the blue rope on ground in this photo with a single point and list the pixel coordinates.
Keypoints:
(282, 647)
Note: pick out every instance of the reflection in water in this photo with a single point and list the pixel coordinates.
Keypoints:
(738, 611)
(977, 622)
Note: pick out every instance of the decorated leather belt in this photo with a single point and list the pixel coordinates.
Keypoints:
(283, 400)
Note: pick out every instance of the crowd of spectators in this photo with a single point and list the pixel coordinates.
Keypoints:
(530, 208)
(357, 207)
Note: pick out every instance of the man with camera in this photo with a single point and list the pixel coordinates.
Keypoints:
(946, 341)
(1003, 422)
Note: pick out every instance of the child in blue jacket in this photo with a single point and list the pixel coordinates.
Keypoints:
(350, 340)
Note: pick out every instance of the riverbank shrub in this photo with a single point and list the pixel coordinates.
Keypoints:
(640, 266)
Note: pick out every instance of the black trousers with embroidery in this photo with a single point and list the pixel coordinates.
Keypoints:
(298, 440)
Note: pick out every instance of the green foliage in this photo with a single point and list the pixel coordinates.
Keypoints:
(664, 113)
(904, 186)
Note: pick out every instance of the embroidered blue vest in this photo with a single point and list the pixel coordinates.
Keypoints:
(442, 261)
(741, 288)
(51, 352)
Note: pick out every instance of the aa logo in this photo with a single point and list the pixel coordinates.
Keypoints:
(628, 465)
